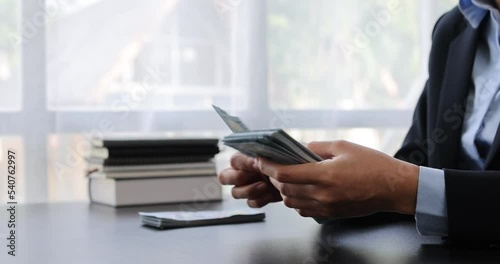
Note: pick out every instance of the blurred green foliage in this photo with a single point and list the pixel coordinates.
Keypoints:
(308, 65)
(9, 19)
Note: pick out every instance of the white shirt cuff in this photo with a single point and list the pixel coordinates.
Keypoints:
(431, 211)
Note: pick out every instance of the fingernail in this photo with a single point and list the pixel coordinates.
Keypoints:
(221, 179)
(251, 203)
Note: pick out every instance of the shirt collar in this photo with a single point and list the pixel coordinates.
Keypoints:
(475, 10)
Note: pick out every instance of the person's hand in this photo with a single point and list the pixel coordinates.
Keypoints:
(249, 183)
(352, 181)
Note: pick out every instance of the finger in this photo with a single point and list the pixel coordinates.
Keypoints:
(302, 191)
(328, 149)
(231, 176)
(304, 204)
(299, 174)
(242, 162)
(262, 201)
(251, 191)
(311, 213)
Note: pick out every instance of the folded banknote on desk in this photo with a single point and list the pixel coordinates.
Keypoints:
(272, 144)
(175, 219)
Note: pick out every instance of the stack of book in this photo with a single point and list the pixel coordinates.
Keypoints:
(142, 171)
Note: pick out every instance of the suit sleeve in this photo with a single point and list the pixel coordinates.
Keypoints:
(473, 200)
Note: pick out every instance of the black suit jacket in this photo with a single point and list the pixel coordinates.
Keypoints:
(473, 197)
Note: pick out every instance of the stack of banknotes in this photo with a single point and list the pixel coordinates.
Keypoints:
(272, 144)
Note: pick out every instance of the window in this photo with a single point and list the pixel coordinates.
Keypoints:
(348, 54)
(10, 86)
(356, 68)
(321, 69)
(10, 56)
(153, 55)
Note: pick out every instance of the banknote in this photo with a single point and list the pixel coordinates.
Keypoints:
(176, 219)
(234, 123)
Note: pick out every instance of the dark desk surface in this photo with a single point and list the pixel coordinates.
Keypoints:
(83, 233)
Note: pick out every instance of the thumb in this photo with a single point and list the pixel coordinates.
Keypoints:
(328, 149)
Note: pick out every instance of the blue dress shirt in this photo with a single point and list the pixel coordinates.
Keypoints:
(480, 122)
